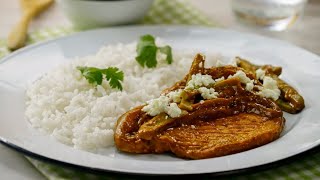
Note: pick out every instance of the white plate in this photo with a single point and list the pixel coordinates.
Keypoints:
(300, 68)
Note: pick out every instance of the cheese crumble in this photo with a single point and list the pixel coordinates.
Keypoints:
(199, 80)
(208, 93)
(219, 79)
(202, 83)
(175, 96)
(173, 110)
(156, 106)
(269, 89)
(162, 104)
(244, 79)
(260, 74)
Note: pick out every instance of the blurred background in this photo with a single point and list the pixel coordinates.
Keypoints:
(304, 33)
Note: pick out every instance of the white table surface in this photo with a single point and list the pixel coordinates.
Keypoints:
(305, 34)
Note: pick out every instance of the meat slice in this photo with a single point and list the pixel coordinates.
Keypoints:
(194, 137)
(223, 136)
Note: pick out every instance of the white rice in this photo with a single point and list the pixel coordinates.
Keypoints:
(63, 104)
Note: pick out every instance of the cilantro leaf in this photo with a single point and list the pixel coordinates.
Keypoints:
(114, 76)
(167, 50)
(95, 76)
(147, 51)
(92, 74)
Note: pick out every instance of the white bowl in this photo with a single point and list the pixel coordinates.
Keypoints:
(86, 14)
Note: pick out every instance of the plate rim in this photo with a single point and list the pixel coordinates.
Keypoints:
(254, 169)
(41, 157)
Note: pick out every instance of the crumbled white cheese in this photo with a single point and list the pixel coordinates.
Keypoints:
(249, 86)
(244, 79)
(269, 93)
(156, 106)
(219, 79)
(162, 104)
(175, 96)
(168, 103)
(260, 74)
(193, 126)
(242, 76)
(199, 80)
(208, 93)
(173, 110)
(269, 83)
(269, 89)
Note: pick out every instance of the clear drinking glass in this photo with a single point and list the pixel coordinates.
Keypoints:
(274, 15)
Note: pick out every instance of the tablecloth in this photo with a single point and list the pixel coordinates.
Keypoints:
(167, 12)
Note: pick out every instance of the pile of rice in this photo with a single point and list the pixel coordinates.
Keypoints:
(63, 104)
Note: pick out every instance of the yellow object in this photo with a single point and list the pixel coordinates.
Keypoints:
(30, 9)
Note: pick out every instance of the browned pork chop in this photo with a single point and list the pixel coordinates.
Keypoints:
(235, 121)
(197, 139)
(223, 136)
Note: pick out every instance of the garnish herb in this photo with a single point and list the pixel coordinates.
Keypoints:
(147, 52)
(167, 50)
(95, 75)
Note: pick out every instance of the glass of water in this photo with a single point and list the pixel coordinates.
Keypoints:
(274, 15)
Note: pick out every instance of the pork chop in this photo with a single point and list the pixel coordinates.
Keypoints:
(197, 137)
(235, 121)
